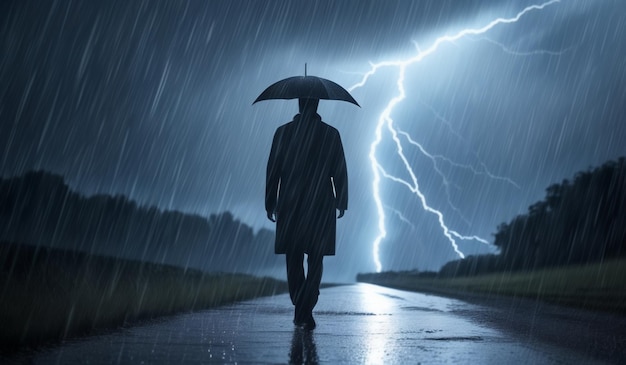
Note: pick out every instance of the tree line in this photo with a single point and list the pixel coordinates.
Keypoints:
(577, 222)
(40, 209)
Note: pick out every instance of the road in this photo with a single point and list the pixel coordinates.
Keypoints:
(359, 324)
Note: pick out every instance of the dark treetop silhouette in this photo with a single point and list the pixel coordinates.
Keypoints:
(306, 183)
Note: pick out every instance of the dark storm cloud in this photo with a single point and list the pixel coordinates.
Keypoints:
(105, 91)
(153, 100)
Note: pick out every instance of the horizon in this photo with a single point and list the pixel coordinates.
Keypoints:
(215, 221)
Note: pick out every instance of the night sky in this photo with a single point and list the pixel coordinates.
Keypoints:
(153, 100)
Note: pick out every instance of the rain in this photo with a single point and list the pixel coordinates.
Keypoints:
(138, 118)
(153, 102)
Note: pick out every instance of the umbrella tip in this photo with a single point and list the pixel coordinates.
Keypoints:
(305, 69)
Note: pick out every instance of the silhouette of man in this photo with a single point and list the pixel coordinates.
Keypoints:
(306, 183)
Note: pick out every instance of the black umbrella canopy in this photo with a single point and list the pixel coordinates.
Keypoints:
(306, 87)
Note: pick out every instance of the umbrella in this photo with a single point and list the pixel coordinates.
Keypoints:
(306, 87)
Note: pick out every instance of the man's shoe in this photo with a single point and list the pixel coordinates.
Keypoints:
(298, 319)
(309, 323)
(304, 320)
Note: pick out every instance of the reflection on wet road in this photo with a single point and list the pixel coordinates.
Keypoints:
(357, 324)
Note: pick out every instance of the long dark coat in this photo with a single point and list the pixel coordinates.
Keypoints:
(306, 183)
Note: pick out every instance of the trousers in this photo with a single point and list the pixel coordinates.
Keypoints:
(304, 290)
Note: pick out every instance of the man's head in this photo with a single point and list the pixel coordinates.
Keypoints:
(308, 106)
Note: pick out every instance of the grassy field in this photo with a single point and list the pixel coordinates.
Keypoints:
(48, 295)
(599, 286)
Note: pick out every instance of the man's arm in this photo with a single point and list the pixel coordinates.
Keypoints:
(272, 178)
(340, 176)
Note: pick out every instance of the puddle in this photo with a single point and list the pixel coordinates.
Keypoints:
(422, 309)
(459, 338)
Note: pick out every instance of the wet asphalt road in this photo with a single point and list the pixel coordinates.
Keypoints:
(360, 324)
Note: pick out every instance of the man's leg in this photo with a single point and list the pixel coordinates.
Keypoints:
(307, 299)
(313, 280)
(295, 274)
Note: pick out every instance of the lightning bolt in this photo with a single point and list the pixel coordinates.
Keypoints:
(385, 120)
(483, 170)
(401, 217)
(475, 171)
(514, 52)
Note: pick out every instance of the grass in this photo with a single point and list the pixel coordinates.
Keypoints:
(598, 286)
(49, 295)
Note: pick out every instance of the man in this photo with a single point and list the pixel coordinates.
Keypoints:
(307, 182)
